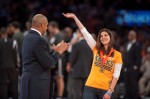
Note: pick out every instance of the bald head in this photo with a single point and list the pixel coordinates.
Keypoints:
(37, 19)
(40, 23)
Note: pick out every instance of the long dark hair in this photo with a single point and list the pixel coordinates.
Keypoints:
(100, 46)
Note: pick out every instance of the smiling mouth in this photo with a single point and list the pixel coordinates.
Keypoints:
(104, 40)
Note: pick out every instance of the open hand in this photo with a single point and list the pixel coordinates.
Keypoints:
(69, 15)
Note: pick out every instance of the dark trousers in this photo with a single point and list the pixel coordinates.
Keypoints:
(131, 84)
(78, 87)
(69, 87)
(3, 91)
(8, 83)
(75, 87)
(93, 93)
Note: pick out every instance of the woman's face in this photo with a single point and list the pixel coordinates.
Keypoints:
(105, 38)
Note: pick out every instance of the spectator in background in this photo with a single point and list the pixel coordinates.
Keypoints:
(17, 34)
(9, 66)
(56, 37)
(94, 36)
(53, 30)
(144, 82)
(73, 41)
(79, 68)
(28, 26)
(132, 63)
(69, 38)
(69, 33)
(14, 27)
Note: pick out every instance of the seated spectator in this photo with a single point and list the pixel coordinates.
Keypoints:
(144, 82)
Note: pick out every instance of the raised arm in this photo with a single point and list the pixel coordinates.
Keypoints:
(88, 37)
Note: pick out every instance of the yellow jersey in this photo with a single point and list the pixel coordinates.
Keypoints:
(101, 76)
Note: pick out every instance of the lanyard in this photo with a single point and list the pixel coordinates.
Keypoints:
(104, 59)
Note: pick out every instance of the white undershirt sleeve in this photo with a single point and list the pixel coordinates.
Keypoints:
(117, 70)
(88, 37)
(15, 47)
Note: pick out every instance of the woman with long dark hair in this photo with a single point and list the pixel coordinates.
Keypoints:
(106, 66)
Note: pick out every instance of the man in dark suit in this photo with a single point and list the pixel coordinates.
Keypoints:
(9, 64)
(38, 61)
(80, 64)
(132, 61)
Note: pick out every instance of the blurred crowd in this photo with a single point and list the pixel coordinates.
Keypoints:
(71, 73)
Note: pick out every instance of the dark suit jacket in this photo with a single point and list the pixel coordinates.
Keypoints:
(37, 62)
(133, 56)
(81, 59)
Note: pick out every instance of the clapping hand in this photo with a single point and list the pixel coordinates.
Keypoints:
(61, 47)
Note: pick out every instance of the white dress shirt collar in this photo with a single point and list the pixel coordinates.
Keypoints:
(133, 41)
(36, 31)
(130, 44)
